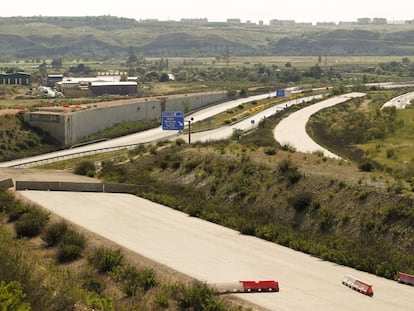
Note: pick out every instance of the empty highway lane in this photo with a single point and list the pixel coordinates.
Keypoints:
(213, 253)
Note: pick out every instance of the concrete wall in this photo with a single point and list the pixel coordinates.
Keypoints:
(71, 127)
(74, 186)
(54, 124)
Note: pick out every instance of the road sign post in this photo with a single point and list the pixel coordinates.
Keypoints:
(172, 120)
(280, 93)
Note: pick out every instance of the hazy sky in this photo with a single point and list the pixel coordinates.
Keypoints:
(218, 10)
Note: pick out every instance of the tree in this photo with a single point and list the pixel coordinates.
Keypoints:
(57, 63)
(164, 77)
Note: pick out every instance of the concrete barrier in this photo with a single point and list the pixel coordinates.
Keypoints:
(119, 188)
(38, 185)
(6, 183)
(75, 186)
(81, 187)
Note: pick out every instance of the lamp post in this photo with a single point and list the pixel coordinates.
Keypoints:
(189, 130)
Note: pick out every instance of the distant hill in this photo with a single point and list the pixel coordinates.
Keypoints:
(109, 37)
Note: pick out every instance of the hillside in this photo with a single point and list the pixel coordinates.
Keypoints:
(323, 207)
(102, 37)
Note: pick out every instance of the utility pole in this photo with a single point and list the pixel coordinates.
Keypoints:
(189, 130)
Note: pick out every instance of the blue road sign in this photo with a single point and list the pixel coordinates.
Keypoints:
(280, 93)
(172, 120)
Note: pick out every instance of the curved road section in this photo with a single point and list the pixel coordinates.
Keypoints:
(291, 131)
(212, 253)
(400, 102)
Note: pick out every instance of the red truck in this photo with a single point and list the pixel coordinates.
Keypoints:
(405, 278)
(358, 285)
(245, 286)
(260, 286)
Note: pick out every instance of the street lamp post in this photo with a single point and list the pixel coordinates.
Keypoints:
(189, 130)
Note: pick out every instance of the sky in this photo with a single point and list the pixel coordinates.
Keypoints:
(218, 10)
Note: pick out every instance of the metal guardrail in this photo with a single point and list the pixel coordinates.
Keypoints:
(75, 155)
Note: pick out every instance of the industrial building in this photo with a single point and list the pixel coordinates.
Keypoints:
(97, 86)
(17, 78)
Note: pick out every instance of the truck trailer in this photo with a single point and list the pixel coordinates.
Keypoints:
(358, 285)
(405, 278)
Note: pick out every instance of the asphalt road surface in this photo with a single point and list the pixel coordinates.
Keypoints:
(292, 129)
(213, 253)
(400, 102)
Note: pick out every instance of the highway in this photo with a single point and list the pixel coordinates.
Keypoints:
(400, 102)
(213, 253)
(157, 134)
(292, 129)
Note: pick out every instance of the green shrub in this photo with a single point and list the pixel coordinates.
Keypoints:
(91, 282)
(6, 201)
(147, 279)
(366, 166)
(31, 223)
(55, 233)
(162, 300)
(71, 246)
(301, 201)
(68, 252)
(85, 168)
(133, 280)
(94, 301)
(105, 259)
(74, 238)
(270, 151)
(197, 297)
(15, 210)
(192, 164)
(290, 171)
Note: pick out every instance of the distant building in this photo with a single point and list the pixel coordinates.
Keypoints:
(114, 88)
(379, 21)
(53, 79)
(278, 22)
(364, 20)
(233, 21)
(194, 20)
(17, 78)
(325, 24)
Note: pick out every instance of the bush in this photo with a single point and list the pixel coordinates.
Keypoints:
(55, 233)
(270, 151)
(6, 201)
(71, 246)
(94, 301)
(198, 297)
(105, 260)
(134, 279)
(74, 238)
(85, 168)
(302, 201)
(91, 282)
(68, 252)
(15, 210)
(366, 166)
(31, 223)
(290, 171)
